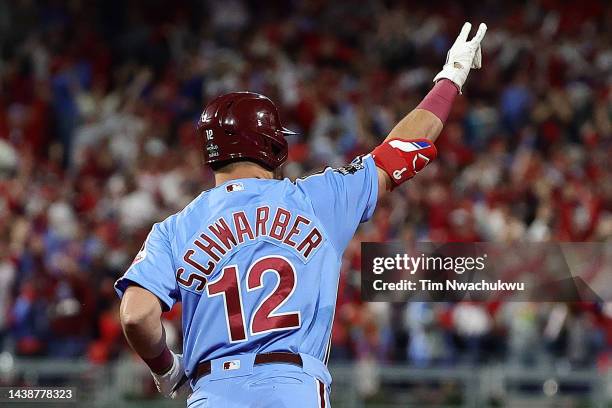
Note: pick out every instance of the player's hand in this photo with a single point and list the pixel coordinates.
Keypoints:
(463, 56)
(168, 383)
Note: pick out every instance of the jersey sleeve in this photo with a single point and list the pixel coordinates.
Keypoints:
(153, 269)
(343, 198)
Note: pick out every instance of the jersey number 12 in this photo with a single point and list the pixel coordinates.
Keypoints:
(265, 319)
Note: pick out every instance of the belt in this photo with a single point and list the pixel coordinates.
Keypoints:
(204, 367)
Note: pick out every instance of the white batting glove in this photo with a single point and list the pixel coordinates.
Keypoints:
(168, 383)
(463, 56)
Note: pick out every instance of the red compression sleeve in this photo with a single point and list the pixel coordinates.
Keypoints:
(440, 99)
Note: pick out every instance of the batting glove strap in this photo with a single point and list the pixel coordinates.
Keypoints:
(403, 159)
(166, 383)
(463, 56)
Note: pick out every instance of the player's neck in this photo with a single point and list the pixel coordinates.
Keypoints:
(240, 171)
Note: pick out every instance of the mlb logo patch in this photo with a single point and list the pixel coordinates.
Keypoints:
(234, 187)
(231, 365)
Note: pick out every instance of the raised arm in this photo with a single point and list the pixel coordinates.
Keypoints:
(409, 146)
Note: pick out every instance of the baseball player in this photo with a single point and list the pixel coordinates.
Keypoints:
(255, 261)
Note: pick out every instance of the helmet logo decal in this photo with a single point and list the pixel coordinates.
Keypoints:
(213, 150)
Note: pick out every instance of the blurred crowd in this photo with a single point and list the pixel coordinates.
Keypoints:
(98, 102)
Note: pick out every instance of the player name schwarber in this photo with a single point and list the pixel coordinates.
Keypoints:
(279, 226)
(447, 285)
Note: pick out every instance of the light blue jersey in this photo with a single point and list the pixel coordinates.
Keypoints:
(256, 262)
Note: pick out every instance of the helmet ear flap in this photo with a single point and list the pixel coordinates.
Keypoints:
(279, 151)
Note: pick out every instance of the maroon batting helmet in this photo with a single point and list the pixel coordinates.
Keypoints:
(243, 126)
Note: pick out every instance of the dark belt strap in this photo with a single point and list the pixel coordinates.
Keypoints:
(203, 368)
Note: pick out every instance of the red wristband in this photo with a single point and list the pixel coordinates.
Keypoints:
(440, 99)
(162, 363)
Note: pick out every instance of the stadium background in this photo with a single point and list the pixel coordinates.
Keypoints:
(98, 101)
